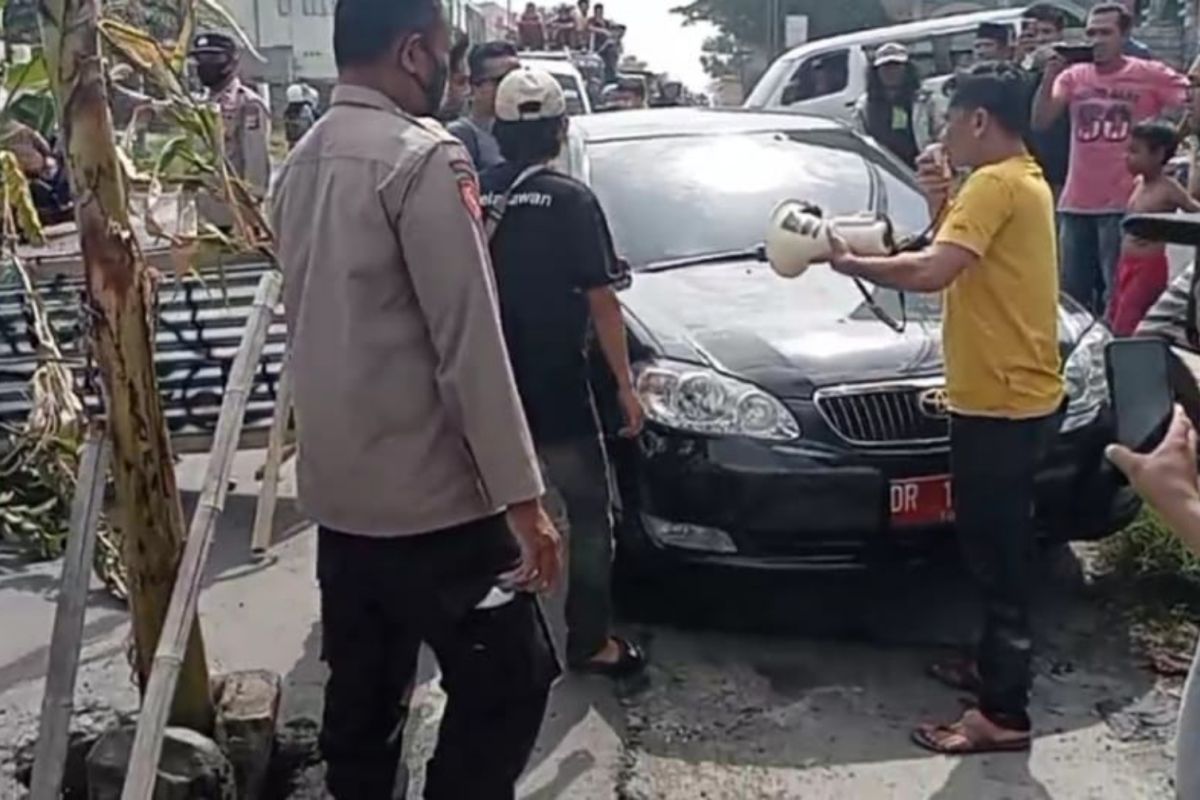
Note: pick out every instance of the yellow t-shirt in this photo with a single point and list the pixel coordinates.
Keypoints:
(1000, 327)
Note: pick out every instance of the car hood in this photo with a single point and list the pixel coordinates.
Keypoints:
(788, 336)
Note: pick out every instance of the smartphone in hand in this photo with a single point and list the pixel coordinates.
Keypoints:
(1076, 53)
(1139, 384)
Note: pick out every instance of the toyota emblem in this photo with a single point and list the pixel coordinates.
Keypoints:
(934, 403)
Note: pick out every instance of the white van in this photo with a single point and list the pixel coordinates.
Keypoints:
(826, 77)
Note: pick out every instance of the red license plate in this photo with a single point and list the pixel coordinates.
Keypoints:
(921, 501)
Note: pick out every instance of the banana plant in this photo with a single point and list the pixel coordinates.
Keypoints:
(120, 300)
(65, 83)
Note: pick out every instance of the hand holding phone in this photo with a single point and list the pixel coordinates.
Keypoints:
(1076, 53)
(1140, 386)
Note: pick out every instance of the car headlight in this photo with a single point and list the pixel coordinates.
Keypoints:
(1086, 379)
(699, 400)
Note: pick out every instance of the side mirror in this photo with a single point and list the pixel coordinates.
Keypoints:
(624, 276)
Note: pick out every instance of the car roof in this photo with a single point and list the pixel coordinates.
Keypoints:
(913, 30)
(654, 123)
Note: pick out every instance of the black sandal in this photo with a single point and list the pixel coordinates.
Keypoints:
(631, 662)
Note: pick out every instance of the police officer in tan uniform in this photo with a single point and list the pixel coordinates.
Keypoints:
(244, 117)
(415, 458)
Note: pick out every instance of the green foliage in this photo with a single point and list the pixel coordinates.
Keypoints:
(746, 20)
(29, 101)
(39, 481)
(39, 460)
(1148, 551)
(722, 55)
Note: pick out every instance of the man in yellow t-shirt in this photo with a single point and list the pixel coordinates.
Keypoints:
(996, 259)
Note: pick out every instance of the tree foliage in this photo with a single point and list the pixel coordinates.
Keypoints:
(745, 21)
(722, 55)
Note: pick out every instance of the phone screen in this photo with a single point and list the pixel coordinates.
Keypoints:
(1139, 382)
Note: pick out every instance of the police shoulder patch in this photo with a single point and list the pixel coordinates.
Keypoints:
(468, 188)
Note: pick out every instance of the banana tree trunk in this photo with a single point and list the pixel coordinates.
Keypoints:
(119, 296)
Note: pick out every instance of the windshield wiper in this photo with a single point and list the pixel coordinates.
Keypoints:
(758, 253)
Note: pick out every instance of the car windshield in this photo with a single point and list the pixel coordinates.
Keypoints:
(674, 198)
(573, 92)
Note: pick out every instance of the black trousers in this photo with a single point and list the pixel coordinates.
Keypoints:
(994, 462)
(380, 599)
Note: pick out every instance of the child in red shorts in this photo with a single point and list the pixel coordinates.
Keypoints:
(1142, 273)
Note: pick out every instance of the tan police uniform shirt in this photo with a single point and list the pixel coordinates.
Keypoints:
(247, 126)
(406, 408)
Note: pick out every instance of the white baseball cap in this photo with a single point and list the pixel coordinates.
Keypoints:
(527, 95)
(891, 53)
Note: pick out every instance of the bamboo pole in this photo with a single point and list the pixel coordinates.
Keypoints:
(120, 327)
(264, 511)
(50, 755)
(181, 613)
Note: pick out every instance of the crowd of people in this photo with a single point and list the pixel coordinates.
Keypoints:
(445, 281)
(1103, 130)
(580, 28)
(1039, 161)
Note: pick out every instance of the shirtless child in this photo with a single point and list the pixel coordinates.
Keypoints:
(1143, 270)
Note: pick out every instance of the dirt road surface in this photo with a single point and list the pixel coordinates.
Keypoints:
(798, 687)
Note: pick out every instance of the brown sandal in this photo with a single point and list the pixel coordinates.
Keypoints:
(972, 735)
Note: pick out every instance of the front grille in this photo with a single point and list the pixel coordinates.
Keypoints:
(887, 414)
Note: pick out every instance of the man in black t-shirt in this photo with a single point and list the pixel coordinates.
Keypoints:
(555, 272)
(1043, 25)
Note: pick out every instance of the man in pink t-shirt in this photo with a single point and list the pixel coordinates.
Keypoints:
(1105, 99)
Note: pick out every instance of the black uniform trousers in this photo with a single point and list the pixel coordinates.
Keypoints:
(380, 599)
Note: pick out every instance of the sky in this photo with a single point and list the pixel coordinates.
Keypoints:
(659, 37)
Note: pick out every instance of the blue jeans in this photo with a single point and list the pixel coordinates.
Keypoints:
(1090, 245)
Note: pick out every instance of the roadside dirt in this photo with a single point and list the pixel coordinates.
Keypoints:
(760, 688)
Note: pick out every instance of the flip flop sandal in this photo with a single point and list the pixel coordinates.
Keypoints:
(631, 662)
(961, 675)
(953, 740)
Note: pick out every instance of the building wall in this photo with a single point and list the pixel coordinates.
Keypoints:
(296, 36)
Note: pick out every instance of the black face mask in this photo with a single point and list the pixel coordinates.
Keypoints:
(213, 75)
(435, 89)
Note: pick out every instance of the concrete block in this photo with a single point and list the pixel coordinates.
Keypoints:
(247, 713)
(192, 767)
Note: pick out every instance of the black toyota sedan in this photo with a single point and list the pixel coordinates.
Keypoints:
(788, 426)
